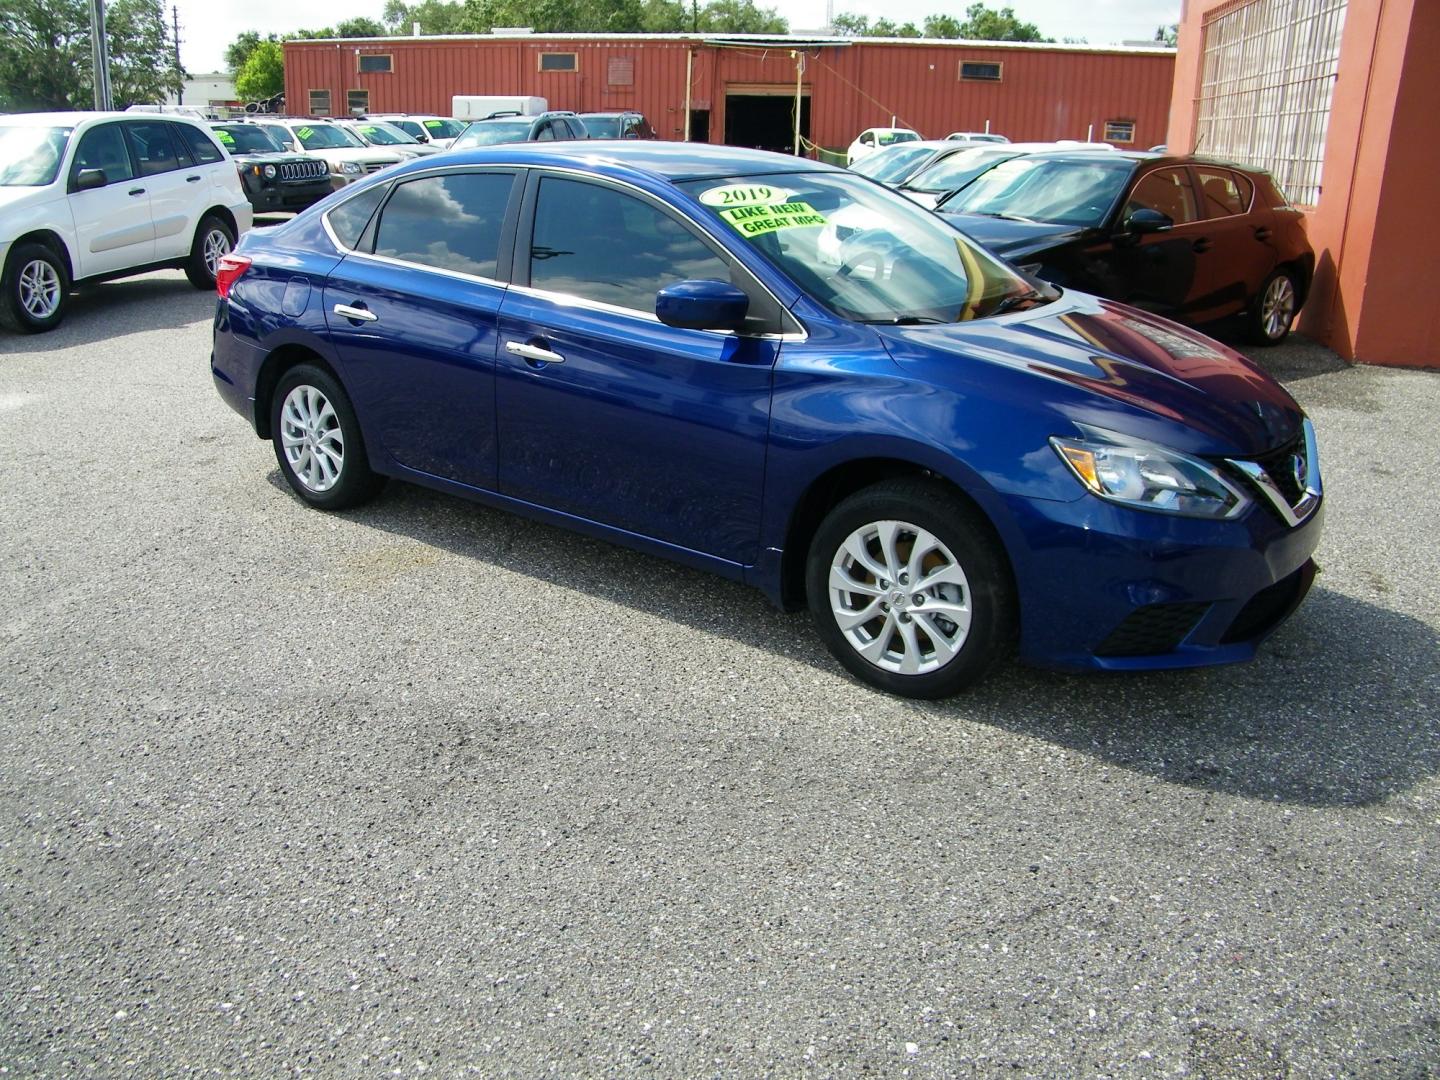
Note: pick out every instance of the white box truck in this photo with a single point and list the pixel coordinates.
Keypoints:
(478, 107)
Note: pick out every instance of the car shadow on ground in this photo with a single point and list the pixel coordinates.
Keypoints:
(1338, 709)
(164, 300)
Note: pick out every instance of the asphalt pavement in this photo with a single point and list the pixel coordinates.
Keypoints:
(424, 788)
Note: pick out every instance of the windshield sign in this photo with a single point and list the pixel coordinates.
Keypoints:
(862, 251)
(325, 137)
(246, 139)
(31, 156)
(443, 129)
(1063, 192)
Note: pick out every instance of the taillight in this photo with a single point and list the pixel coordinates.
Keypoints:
(229, 271)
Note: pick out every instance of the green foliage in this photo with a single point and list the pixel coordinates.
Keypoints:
(980, 24)
(583, 16)
(45, 54)
(263, 73)
(1168, 35)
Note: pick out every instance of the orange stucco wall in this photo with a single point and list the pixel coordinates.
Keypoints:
(1374, 228)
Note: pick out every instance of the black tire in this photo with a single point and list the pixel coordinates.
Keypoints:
(354, 482)
(17, 285)
(1262, 328)
(935, 508)
(198, 268)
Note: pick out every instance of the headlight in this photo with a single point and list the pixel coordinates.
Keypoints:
(270, 172)
(349, 168)
(1150, 477)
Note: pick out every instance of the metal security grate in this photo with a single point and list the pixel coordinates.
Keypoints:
(1266, 81)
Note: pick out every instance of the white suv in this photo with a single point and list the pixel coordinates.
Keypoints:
(438, 131)
(85, 197)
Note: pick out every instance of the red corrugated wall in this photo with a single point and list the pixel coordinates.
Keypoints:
(1043, 93)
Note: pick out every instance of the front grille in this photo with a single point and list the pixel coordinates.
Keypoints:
(1152, 630)
(374, 166)
(1282, 467)
(302, 171)
(1270, 607)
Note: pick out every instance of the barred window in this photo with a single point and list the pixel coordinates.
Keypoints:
(1267, 78)
(357, 101)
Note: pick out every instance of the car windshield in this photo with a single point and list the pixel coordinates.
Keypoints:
(864, 252)
(956, 170)
(490, 132)
(1065, 192)
(442, 129)
(325, 137)
(30, 156)
(886, 138)
(385, 135)
(246, 139)
(602, 127)
(892, 164)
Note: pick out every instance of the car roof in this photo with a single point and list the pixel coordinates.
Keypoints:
(662, 160)
(71, 119)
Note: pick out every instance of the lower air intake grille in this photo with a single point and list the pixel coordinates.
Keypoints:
(1151, 630)
(1269, 607)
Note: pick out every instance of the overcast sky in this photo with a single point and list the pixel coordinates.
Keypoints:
(205, 28)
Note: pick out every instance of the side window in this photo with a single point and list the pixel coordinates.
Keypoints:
(280, 135)
(1166, 190)
(867, 138)
(1223, 192)
(104, 148)
(202, 149)
(546, 132)
(601, 244)
(153, 149)
(451, 221)
(350, 217)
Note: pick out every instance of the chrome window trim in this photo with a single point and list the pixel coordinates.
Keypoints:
(569, 300)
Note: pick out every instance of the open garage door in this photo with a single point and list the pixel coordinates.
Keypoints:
(761, 115)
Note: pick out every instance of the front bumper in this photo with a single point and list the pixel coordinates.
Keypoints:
(289, 197)
(1103, 587)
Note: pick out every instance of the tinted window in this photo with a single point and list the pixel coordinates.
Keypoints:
(603, 127)
(104, 148)
(1223, 192)
(1166, 190)
(546, 132)
(247, 139)
(350, 217)
(280, 135)
(152, 146)
(603, 245)
(201, 148)
(451, 222)
(1065, 191)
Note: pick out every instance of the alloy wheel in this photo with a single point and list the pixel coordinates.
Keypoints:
(311, 436)
(40, 289)
(1277, 310)
(216, 247)
(900, 597)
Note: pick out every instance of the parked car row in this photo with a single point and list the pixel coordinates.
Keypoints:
(873, 140)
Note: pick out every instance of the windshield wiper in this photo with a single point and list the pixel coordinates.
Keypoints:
(1010, 303)
(904, 320)
(1014, 217)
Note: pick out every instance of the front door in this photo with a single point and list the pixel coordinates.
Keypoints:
(112, 223)
(1156, 271)
(413, 315)
(608, 414)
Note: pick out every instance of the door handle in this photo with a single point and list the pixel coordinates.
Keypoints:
(136, 191)
(1262, 233)
(1202, 245)
(359, 314)
(192, 179)
(534, 353)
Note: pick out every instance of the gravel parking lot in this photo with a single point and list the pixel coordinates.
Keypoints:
(428, 788)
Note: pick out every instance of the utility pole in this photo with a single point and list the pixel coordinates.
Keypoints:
(100, 57)
(175, 37)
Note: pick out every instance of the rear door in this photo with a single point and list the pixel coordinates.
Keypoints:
(165, 169)
(412, 312)
(112, 223)
(1242, 251)
(603, 411)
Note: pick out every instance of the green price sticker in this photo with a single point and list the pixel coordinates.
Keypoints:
(757, 220)
(368, 130)
(225, 137)
(305, 133)
(434, 125)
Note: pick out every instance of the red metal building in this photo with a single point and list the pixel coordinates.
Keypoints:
(741, 89)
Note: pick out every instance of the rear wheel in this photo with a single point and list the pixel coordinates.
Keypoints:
(909, 591)
(34, 289)
(318, 442)
(214, 239)
(1274, 308)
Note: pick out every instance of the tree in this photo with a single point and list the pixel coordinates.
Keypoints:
(45, 54)
(359, 26)
(740, 17)
(980, 24)
(1168, 35)
(263, 74)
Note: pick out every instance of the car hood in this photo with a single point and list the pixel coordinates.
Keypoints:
(364, 154)
(1010, 238)
(1113, 367)
(275, 158)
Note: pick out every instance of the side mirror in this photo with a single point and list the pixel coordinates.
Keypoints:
(702, 305)
(1145, 220)
(90, 179)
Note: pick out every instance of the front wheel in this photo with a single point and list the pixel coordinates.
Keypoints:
(1274, 309)
(909, 590)
(318, 442)
(214, 239)
(34, 289)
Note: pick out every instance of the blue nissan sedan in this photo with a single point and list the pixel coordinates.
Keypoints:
(786, 374)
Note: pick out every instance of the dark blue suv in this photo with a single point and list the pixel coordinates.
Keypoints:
(784, 373)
